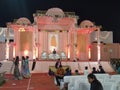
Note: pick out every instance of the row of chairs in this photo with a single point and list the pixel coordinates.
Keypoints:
(80, 82)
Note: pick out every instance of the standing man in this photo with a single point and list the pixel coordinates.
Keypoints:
(33, 64)
(58, 63)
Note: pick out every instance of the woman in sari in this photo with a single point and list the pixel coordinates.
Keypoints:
(16, 68)
(25, 68)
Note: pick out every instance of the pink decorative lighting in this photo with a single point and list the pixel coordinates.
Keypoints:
(21, 29)
(68, 52)
(13, 51)
(89, 52)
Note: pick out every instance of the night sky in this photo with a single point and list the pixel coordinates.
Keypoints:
(105, 13)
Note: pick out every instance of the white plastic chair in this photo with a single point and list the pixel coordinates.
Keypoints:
(116, 82)
(81, 84)
(117, 77)
(109, 86)
(102, 76)
(71, 84)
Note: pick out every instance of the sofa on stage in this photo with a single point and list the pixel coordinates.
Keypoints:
(51, 56)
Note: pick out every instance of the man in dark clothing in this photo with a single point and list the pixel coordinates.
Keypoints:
(33, 64)
(101, 70)
(94, 71)
(59, 74)
(95, 84)
(58, 63)
(0, 64)
(54, 51)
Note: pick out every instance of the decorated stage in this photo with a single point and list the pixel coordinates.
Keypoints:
(42, 66)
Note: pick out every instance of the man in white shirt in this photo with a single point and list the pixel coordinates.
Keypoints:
(86, 72)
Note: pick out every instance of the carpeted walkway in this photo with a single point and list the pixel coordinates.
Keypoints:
(36, 82)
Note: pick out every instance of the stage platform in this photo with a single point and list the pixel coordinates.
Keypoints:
(42, 66)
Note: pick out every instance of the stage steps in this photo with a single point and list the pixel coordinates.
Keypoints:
(43, 66)
(6, 66)
(107, 66)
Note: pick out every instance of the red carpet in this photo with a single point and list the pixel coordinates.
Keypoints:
(37, 82)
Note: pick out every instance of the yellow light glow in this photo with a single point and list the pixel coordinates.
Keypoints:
(21, 30)
(7, 51)
(89, 53)
(36, 52)
(98, 53)
(68, 52)
(13, 51)
(26, 52)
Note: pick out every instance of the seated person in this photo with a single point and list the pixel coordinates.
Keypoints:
(59, 74)
(54, 51)
(50, 72)
(58, 63)
(86, 72)
(94, 71)
(68, 72)
(101, 70)
(76, 72)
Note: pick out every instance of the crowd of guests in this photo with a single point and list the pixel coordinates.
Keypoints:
(100, 70)
(24, 72)
(60, 73)
(115, 63)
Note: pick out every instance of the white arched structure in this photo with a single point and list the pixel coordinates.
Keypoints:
(55, 12)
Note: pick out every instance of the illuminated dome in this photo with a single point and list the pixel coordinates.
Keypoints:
(23, 21)
(86, 24)
(55, 12)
